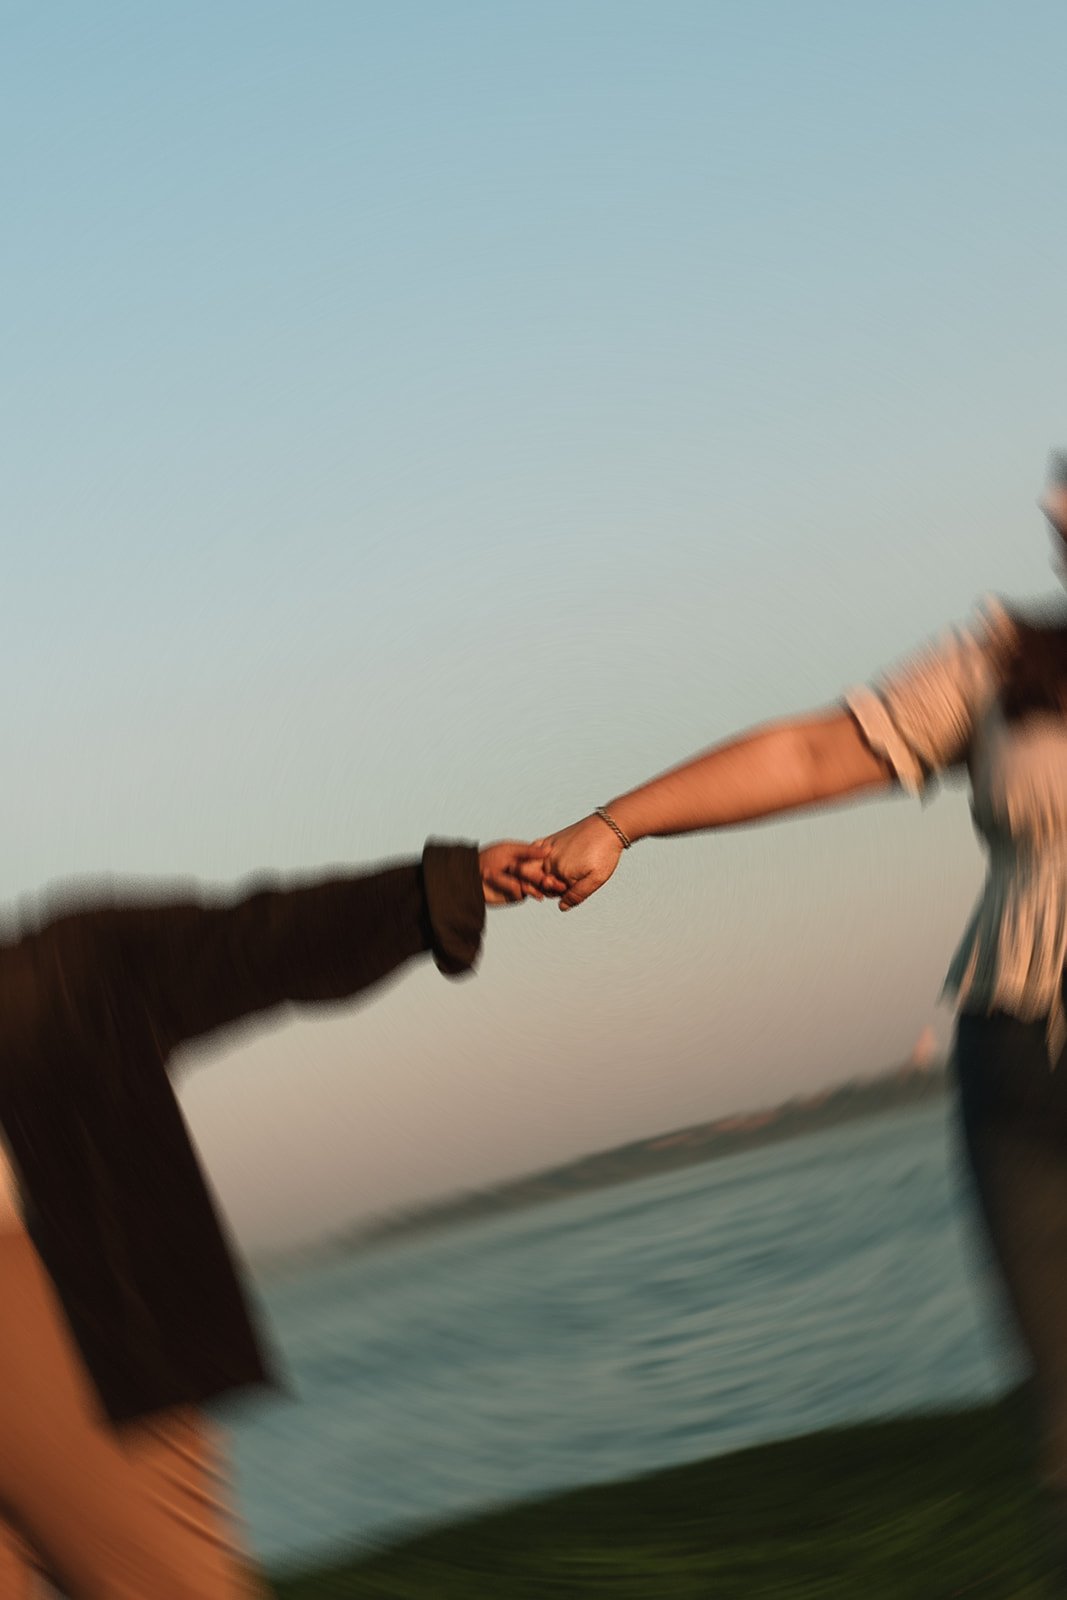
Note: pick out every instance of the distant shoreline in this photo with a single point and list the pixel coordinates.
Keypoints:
(898, 1089)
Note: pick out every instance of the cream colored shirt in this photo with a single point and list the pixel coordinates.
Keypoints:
(940, 709)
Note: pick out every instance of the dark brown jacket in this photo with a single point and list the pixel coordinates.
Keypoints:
(92, 1005)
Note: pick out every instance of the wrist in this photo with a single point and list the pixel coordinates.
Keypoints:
(627, 816)
(609, 818)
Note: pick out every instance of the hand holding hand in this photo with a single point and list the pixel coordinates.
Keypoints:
(513, 870)
(583, 856)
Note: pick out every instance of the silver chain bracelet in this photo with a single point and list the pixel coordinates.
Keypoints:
(606, 816)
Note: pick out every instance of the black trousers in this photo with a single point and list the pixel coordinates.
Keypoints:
(1013, 1108)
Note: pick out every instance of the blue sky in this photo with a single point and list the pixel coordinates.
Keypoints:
(434, 418)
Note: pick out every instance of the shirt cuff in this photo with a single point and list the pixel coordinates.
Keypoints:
(886, 740)
(455, 904)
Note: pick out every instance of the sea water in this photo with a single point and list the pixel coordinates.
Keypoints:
(826, 1279)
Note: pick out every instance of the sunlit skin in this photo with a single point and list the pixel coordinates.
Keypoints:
(815, 759)
(512, 870)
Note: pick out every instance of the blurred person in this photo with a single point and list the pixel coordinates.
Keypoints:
(990, 698)
(122, 1313)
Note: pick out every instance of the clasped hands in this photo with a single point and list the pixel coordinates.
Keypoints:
(567, 866)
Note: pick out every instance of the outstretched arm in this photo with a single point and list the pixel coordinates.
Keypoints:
(784, 766)
(190, 966)
(913, 723)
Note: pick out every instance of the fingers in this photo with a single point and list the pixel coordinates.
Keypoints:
(502, 888)
(513, 870)
(536, 850)
(504, 892)
(548, 867)
(536, 875)
(578, 891)
(568, 866)
(585, 881)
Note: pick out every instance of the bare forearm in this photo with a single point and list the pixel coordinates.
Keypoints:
(781, 767)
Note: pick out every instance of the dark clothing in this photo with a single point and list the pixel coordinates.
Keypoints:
(1013, 1108)
(92, 1006)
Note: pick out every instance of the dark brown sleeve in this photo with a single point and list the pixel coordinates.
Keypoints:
(198, 967)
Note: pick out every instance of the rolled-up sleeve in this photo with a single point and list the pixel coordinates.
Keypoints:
(921, 715)
(455, 905)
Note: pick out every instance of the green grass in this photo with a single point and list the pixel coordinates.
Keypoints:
(924, 1508)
